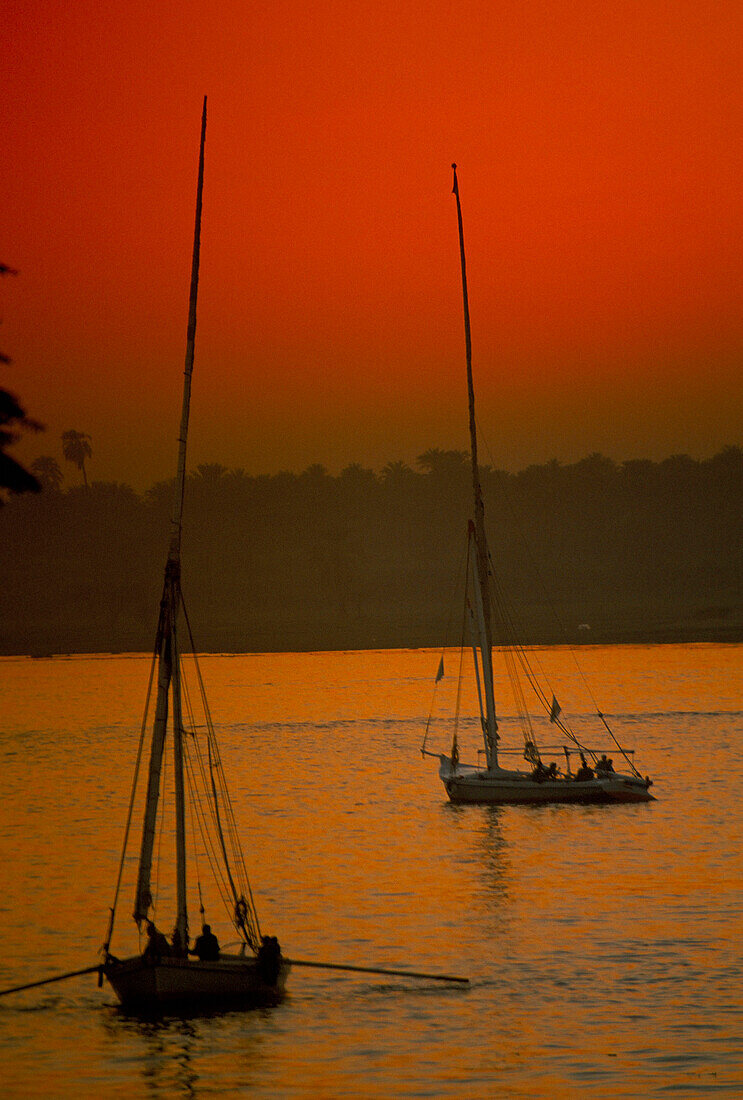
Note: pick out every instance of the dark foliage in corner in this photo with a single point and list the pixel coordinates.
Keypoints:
(13, 421)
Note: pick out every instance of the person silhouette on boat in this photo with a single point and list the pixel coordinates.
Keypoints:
(269, 959)
(206, 946)
(157, 944)
(541, 772)
(605, 765)
(584, 772)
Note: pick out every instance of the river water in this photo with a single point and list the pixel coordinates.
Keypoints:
(603, 943)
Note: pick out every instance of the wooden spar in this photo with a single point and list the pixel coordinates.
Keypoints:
(168, 657)
(175, 547)
(174, 557)
(378, 970)
(481, 545)
(181, 922)
(143, 898)
(292, 962)
(48, 981)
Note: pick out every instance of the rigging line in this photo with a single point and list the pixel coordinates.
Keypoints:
(220, 834)
(561, 723)
(198, 753)
(206, 838)
(505, 612)
(616, 742)
(466, 616)
(190, 778)
(502, 612)
(241, 873)
(468, 624)
(206, 815)
(508, 617)
(198, 803)
(232, 824)
(216, 768)
(250, 916)
(519, 697)
(132, 796)
(191, 815)
(460, 672)
(191, 748)
(460, 678)
(526, 547)
(456, 585)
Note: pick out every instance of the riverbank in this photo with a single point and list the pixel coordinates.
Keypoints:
(641, 622)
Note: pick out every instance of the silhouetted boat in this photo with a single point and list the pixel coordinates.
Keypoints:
(165, 974)
(592, 782)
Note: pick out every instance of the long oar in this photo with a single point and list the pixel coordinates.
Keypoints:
(48, 981)
(378, 970)
(292, 962)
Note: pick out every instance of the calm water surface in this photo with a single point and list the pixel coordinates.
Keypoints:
(603, 943)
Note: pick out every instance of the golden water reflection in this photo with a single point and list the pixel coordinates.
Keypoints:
(605, 939)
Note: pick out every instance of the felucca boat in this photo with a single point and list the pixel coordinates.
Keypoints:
(167, 973)
(595, 779)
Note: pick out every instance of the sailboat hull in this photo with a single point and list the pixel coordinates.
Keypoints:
(500, 787)
(178, 983)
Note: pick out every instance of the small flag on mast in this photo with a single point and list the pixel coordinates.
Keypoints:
(555, 710)
(440, 673)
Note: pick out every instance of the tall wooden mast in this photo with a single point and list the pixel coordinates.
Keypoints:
(166, 645)
(482, 556)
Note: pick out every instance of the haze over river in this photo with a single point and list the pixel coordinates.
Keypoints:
(603, 943)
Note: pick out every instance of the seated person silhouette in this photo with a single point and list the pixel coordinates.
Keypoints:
(157, 944)
(269, 959)
(584, 772)
(206, 947)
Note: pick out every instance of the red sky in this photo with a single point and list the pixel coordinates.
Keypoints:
(600, 152)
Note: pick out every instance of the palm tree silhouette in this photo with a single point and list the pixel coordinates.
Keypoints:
(397, 473)
(47, 472)
(444, 465)
(76, 448)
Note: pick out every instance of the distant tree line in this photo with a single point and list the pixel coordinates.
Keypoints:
(635, 551)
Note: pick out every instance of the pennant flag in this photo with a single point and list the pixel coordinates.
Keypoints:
(440, 673)
(555, 710)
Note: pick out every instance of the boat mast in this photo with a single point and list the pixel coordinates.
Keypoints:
(175, 545)
(166, 643)
(482, 568)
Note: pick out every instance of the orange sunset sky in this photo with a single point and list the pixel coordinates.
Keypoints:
(600, 153)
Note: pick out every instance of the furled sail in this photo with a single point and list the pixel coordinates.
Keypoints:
(481, 558)
(166, 643)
